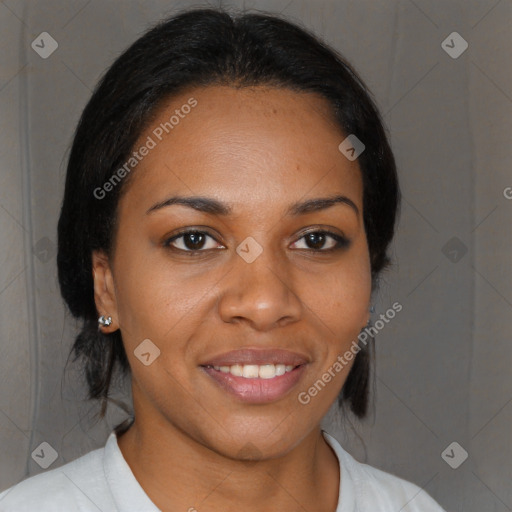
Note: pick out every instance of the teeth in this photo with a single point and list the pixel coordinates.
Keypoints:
(254, 371)
(267, 371)
(235, 370)
(250, 371)
(280, 369)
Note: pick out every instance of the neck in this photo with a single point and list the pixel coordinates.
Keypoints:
(178, 473)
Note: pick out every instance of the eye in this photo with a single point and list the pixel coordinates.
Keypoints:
(317, 239)
(191, 241)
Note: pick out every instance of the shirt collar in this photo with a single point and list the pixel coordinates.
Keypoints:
(346, 496)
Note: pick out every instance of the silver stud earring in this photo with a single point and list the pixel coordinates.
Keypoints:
(372, 309)
(104, 321)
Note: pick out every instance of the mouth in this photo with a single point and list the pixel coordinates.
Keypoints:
(256, 376)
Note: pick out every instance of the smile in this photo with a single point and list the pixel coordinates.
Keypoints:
(255, 371)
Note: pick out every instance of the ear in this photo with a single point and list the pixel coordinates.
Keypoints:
(104, 290)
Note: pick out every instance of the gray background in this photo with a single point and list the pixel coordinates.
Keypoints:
(443, 363)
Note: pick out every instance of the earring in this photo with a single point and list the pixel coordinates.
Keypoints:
(372, 309)
(104, 321)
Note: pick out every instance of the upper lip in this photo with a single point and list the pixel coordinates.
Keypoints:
(257, 356)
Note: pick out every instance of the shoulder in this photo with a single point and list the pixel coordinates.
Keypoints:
(374, 489)
(78, 485)
(378, 487)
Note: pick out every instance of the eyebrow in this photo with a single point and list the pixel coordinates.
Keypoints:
(215, 207)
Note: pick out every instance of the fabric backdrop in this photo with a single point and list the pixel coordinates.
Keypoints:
(443, 363)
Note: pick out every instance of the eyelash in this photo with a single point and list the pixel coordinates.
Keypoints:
(341, 242)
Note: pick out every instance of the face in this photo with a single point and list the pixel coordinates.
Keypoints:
(287, 288)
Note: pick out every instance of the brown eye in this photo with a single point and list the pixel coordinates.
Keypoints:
(190, 241)
(316, 240)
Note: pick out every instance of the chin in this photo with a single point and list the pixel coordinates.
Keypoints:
(258, 440)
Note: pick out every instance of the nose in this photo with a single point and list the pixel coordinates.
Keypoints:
(261, 293)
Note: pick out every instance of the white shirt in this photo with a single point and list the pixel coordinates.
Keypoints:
(102, 480)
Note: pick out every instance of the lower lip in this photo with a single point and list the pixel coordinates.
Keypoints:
(257, 391)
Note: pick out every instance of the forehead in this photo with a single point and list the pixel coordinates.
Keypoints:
(251, 146)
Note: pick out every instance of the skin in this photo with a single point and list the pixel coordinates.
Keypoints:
(259, 150)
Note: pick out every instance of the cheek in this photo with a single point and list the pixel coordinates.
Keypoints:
(158, 299)
(341, 296)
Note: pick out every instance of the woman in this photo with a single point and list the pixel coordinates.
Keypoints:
(230, 198)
